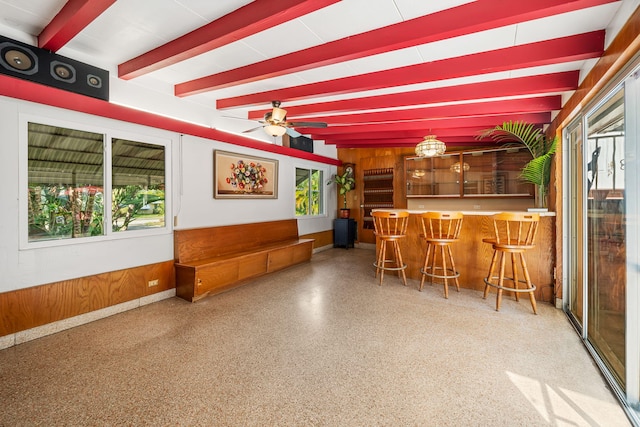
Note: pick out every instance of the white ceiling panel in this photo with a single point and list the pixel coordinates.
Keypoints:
(349, 17)
(410, 9)
(581, 21)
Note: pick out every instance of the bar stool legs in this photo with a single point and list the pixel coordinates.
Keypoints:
(498, 281)
(431, 268)
(390, 229)
(382, 261)
(440, 230)
(514, 235)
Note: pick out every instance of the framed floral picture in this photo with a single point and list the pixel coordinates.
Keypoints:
(239, 176)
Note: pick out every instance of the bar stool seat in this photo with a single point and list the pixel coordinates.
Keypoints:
(390, 227)
(439, 231)
(514, 233)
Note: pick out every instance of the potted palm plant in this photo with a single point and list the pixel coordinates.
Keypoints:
(345, 183)
(538, 170)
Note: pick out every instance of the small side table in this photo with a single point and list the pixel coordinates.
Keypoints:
(344, 232)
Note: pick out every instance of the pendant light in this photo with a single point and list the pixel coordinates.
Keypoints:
(430, 147)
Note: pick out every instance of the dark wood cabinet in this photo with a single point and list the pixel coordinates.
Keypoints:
(344, 232)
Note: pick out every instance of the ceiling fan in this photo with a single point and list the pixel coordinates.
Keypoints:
(275, 123)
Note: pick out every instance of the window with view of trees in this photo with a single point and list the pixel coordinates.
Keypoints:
(309, 195)
(137, 171)
(68, 191)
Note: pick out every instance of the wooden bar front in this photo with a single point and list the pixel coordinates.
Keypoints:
(473, 257)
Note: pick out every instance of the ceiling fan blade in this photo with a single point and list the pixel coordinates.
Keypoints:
(237, 118)
(251, 130)
(293, 133)
(308, 124)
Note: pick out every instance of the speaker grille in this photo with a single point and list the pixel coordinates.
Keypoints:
(18, 59)
(63, 72)
(41, 66)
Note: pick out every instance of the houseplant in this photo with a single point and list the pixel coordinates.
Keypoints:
(345, 183)
(538, 170)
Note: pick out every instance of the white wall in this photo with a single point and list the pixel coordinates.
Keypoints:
(193, 204)
(196, 207)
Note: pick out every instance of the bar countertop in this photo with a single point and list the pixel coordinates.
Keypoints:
(469, 213)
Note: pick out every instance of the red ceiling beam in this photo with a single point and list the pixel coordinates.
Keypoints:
(404, 134)
(532, 85)
(548, 52)
(453, 22)
(521, 105)
(450, 142)
(256, 16)
(433, 124)
(389, 142)
(74, 16)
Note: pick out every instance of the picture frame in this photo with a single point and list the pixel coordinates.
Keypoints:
(241, 176)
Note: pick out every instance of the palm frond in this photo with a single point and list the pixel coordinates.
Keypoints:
(538, 170)
(527, 134)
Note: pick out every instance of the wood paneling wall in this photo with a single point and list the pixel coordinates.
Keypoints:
(374, 158)
(473, 257)
(36, 306)
(321, 238)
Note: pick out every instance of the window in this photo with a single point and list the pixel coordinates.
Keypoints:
(309, 194)
(70, 183)
(137, 171)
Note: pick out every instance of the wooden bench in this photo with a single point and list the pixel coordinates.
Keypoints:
(214, 259)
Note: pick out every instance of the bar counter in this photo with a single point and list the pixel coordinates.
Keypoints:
(473, 257)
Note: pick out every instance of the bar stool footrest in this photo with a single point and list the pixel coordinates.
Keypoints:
(507, 288)
(383, 267)
(427, 272)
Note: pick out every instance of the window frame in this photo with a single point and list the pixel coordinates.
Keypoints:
(322, 190)
(109, 133)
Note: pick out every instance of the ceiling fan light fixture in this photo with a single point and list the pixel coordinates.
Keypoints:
(278, 114)
(430, 147)
(275, 130)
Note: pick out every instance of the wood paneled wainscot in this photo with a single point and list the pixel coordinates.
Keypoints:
(473, 257)
(214, 259)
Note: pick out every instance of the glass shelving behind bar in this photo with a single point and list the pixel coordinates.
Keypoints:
(432, 176)
(479, 173)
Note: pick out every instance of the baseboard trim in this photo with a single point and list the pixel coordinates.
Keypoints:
(71, 322)
(322, 248)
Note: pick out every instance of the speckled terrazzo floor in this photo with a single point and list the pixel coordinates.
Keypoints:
(319, 344)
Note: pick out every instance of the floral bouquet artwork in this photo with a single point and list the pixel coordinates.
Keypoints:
(247, 177)
(244, 176)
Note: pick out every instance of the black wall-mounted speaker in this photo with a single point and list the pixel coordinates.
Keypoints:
(41, 66)
(301, 143)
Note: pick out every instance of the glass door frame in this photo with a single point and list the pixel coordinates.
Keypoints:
(632, 154)
(576, 221)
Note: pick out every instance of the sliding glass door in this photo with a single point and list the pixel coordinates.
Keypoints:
(603, 234)
(606, 232)
(576, 241)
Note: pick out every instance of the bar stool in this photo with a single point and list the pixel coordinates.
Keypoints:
(389, 228)
(440, 230)
(514, 234)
